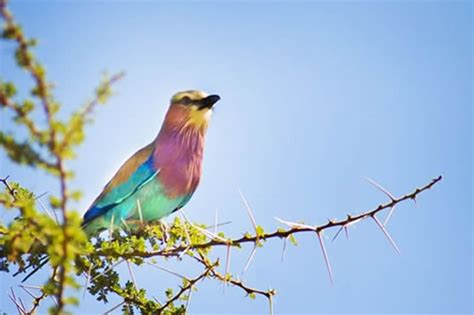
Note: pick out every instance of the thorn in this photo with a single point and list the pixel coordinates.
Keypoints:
(31, 286)
(218, 225)
(270, 302)
(27, 291)
(21, 302)
(188, 238)
(114, 308)
(249, 211)
(54, 300)
(107, 269)
(48, 212)
(87, 281)
(384, 230)
(111, 229)
(180, 256)
(337, 233)
(41, 195)
(125, 224)
(295, 225)
(166, 270)
(326, 258)
(249, 260)
(210, 235)
(12, 297)
(139, 207)
(188, 301)
(205, 232)
(389, 215)
(43, 207)
(284, 248)
(132, 276)
(379, 187)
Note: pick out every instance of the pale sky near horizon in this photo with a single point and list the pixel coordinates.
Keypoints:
(316, 96)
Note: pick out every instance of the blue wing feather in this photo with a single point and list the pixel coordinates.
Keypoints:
(144, 174)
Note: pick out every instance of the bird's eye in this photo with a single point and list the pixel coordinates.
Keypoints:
(186, 100)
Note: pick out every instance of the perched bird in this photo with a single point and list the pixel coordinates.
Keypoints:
(161, 177)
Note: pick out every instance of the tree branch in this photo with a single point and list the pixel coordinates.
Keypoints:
(281, 233)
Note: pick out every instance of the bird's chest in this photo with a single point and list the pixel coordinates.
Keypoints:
(179, 169)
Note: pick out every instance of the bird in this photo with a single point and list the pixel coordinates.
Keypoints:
(159, 178)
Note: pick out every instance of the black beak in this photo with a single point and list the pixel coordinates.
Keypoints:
(209, 101)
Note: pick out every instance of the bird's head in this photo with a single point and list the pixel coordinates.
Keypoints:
(191, 109)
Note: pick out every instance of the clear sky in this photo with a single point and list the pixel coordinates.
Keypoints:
(315, 97)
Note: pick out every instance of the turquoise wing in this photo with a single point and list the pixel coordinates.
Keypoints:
(136, 172)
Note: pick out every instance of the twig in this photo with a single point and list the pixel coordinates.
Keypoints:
(11, 191)
(235, 282)
(188, 286)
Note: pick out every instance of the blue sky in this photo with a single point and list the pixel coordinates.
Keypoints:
(315, 97)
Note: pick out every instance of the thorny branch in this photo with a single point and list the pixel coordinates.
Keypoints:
(282, 233)
(188, 286)
(195, 250)
(236, 282)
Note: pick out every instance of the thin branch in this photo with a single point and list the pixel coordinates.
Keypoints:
(188, 286)
(10, 190)
(283, 251)
(231, 280)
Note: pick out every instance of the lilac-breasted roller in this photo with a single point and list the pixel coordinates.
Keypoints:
(161, 177)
